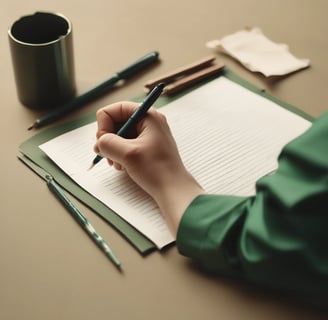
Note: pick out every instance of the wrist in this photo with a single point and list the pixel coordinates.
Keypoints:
(175, 195)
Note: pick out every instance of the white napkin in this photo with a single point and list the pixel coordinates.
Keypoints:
(258, 53)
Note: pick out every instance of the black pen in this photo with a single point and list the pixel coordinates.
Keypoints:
(136, 116)
(96, 91)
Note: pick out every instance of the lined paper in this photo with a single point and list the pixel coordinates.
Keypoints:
(228, 138)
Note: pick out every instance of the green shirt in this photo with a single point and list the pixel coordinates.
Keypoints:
(277, 238)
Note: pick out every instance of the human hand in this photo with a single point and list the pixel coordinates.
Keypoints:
(150, 156)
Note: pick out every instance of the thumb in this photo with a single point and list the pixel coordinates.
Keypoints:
(112, 146)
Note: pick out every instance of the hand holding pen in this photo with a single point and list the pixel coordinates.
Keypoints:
(150, 157)
(139, 113)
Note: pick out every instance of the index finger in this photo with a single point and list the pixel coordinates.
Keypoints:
(109, 117)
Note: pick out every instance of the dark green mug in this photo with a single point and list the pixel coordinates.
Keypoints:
(41, 47)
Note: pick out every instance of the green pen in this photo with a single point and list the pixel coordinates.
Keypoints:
(97, 91)
(82, 220)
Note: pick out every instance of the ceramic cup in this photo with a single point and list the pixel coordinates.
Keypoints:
(41, 47)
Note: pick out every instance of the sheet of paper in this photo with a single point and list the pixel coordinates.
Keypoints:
(228, 138)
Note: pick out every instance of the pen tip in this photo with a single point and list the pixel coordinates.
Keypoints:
(162, 85)
(32, 126)
(92, 165)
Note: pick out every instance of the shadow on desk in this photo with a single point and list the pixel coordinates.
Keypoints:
(251, 293)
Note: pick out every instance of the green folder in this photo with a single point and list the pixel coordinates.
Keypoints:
(33, 157)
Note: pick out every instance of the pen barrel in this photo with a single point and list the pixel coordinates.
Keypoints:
(124, 130)
(96, 237)
(97, 91)
(138, 65)
(58, 192)
(141, 111)
(82, 220)
(78, 101)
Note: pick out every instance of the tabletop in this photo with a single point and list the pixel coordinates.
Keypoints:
(49, 268)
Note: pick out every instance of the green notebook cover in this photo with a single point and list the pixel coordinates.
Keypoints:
(32, 156)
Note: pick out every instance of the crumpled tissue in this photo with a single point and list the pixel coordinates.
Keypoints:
(258, 53)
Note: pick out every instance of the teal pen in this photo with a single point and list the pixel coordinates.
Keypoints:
(82, 220)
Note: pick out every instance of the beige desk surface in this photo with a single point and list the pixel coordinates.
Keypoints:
(49, 268)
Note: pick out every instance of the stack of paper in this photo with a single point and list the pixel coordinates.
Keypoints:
(228, 138)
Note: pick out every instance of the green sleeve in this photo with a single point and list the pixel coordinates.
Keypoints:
(279, 237)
